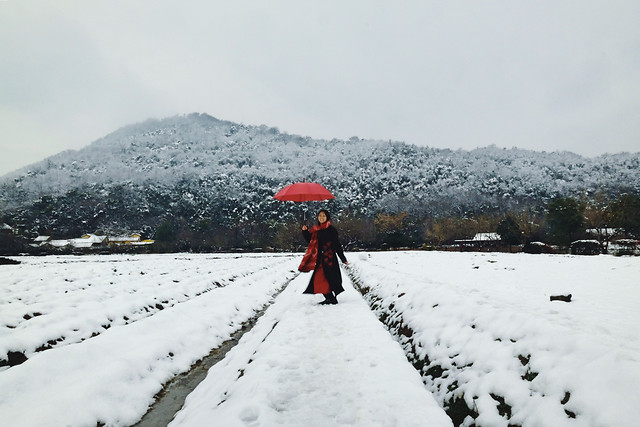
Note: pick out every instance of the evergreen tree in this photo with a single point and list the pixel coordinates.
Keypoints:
(509, 231)
(165, 238)
(565, 220)
(626, 214)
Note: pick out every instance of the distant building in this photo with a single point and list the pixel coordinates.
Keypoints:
(586, 247)
(133, 240)
(89, 241)
(124, 240)
(59, 243)
(480, 241)
(143, 242)
(625, 247)
(486, 237)
(41, 240)
(608, 232)
(539, 248)
(86, 241)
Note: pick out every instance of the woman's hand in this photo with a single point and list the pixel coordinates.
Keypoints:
(305, 228)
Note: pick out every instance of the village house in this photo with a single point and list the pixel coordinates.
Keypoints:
(586, 247)
(131, 240)
(480, 241)
(91, 241)
(124, 240)
(40, 240)
(625, 247)
(57, 243)
(86, 241)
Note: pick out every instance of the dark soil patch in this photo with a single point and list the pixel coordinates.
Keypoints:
(458, 410)
(14, 358)
(503, 408)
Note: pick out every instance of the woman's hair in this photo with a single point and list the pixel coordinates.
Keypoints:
(326, 213)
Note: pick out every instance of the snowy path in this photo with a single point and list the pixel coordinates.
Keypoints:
(312, 365)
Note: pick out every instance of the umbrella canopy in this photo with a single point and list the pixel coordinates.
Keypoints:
(304, 192)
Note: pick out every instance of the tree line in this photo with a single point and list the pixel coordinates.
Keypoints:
(560, 222)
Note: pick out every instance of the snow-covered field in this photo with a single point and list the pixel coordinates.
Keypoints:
(101, 334)
(482, 327)
(120, 326)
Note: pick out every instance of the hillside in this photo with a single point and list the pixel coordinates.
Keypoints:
(201, 170)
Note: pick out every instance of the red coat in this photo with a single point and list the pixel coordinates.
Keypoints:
(329, 249)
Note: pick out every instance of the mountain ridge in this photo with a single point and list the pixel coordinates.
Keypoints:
(197, 167)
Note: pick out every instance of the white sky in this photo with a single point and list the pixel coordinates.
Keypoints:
(544, 74)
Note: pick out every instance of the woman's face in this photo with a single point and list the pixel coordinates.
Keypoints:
(322, 217)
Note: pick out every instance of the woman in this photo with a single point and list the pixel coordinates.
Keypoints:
(322, 257)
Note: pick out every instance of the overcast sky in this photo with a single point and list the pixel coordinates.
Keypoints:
(544, 75)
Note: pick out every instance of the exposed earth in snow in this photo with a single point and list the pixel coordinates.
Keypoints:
(419, 338)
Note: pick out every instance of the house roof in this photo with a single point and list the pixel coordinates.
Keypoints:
(604, 231)
(93, 238)
(81, 243)
(486, 236)
(481, 237)
(131, 238)
(143, 242)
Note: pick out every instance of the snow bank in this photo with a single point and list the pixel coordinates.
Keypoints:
(481, 327)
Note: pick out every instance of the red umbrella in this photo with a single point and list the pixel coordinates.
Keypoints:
(304, 192)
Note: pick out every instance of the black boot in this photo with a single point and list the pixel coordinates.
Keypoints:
(331, 298)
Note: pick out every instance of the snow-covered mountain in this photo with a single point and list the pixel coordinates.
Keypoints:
(197, 167)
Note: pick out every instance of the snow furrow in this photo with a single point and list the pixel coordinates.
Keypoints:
(124, 367)
(68, 304)
(495, 350)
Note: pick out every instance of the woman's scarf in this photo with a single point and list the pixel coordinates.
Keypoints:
(311, 255)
